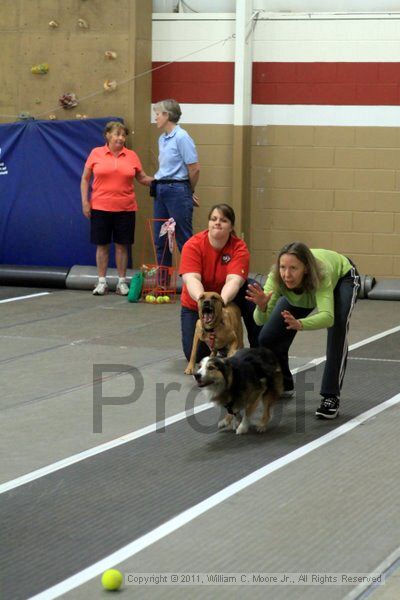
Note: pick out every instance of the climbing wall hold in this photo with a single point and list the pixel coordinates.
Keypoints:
(24, 115)
(110, 85)
(40, 69)
(68, 100)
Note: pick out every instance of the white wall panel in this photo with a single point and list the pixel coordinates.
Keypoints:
(328, 29)
(188, 30)
(205, 114)
(281, 5)
(262, 115)
(327, 5)
(327, 51)
(196, 5)
(351, 116)
(175, 39)
(193, 51)
(333, 40)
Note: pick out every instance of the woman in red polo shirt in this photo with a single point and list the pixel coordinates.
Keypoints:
(112, 205)
(215, 260)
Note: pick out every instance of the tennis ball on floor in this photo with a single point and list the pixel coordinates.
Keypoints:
(166, 299)
(111, 579)
(160, 299)
(150, 298)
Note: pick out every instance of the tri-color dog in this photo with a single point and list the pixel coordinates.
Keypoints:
(219, 326)
(239, 382)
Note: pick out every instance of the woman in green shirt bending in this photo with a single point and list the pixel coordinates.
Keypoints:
(302, 280)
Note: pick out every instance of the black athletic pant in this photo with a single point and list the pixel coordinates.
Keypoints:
(277, 338)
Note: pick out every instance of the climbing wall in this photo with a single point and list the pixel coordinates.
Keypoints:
(76, 60)
(84, 47)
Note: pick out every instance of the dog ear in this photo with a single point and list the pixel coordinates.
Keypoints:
(219, 362)
(225, 367)
(220, 298)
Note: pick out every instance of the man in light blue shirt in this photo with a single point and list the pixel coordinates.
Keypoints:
(176, 178)
(176, 152)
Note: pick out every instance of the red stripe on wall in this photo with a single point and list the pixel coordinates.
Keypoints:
(194, 82)
(326, 83)
(281, 83)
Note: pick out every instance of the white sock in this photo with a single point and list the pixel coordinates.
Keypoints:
(102, 280)
(121, 279)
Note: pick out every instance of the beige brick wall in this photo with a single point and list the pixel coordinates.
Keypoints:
(335, 187)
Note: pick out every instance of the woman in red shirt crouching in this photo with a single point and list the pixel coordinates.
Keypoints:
(215, 260)
(112, 206)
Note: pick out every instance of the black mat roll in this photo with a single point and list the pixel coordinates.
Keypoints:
(386, 289)
(32, 276)
(84, 277)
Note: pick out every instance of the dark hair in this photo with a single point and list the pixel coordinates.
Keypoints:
(171, 107)
(314, 269)
(226, 210)
(111, 125)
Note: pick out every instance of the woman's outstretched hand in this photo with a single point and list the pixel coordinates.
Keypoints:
(290, 321)
(256, 294)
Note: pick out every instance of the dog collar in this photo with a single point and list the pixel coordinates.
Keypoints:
(212, 339)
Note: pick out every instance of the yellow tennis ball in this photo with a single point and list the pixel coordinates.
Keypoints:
(167, 299)
(148, 298)
(160, 299)
(111, 579)
(152, 299)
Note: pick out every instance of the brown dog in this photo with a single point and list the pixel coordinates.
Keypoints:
(219, 326)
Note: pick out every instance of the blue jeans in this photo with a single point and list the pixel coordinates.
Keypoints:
(278, 339)
(172, 200)
(189, 319)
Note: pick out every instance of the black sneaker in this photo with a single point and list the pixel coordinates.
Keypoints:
(329, 408)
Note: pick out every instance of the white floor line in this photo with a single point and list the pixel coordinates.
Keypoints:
(373, 338)
(70, 460)
(42, 472)
(24, 297)
(202, 507)
(390, 360)
(383, 567)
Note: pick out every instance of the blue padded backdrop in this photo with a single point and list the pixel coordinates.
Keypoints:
(41, 163)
